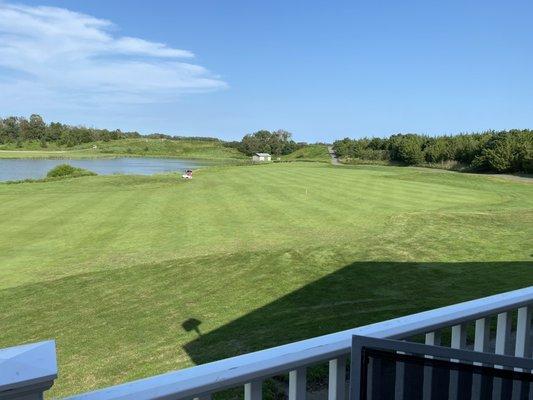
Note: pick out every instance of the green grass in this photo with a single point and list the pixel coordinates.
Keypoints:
(312, 152)
(43, 154)
(192, 149)
(111, 266)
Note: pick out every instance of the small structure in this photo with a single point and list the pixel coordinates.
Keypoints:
(261, 157)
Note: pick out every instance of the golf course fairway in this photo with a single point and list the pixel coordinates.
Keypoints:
(111, 267)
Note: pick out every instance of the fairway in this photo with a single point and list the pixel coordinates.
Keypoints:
(111, 266)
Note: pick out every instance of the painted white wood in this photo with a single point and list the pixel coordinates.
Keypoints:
(458, 342)
(482, 335)
(522, 342)
(298, 384)
(253, 390)
(523, 327)
(28, 370)
(458, 336)
(337, 379)
(503, 334)
(432, 339)
(503, 346)
(238, 370)
(481, 343)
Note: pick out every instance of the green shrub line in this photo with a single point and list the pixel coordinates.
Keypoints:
(491, 151)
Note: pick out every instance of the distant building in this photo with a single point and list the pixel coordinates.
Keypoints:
(259, 157)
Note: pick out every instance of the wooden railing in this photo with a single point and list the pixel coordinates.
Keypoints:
(250, 370)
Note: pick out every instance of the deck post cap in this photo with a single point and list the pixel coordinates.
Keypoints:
(26, 371)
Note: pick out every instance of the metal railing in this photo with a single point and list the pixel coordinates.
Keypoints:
(250, 370)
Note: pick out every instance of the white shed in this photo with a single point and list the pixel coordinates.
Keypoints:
(259, 157)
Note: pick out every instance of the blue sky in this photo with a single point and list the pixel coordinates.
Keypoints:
(322, 70)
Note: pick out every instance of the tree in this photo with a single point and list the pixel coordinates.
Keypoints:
(33, 129)
(12, 129)
(276, 143)
(54, 132)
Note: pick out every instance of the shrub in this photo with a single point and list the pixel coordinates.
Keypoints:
(438, 150)
(506, 152)
(407, 149)
(374, 155)
(68, 171)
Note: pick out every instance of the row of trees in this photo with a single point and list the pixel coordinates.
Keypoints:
(19, 129)
(504, 151)
(276, 143)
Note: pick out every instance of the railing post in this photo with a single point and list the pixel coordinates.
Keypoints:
(337, 379)
(298, 384)
(253, 390)
(27, 371)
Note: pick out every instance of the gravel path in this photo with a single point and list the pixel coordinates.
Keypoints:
(334, 158)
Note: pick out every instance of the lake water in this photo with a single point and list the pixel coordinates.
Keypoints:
(18, 169)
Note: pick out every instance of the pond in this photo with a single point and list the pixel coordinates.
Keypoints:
(18, 169)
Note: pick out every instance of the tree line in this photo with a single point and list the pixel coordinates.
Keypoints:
(491, 151)
(276, 143)
(20, 129)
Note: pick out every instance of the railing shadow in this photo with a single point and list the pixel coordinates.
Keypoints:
(356, 295)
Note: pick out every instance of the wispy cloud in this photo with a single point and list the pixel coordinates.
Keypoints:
(54, 54)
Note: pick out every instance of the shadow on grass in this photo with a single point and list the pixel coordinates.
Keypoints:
(356, 295)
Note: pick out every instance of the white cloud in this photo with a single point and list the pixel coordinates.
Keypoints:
(61, 56)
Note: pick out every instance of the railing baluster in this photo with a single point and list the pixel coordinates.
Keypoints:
(400, 380)
(523, 326)
(482, 336)
(522, 343)
(458, 342)
(503, 346)
(432, 339)
(253, 390)
(481, 343)
(337, 379)
(503, 333)
(298, 384)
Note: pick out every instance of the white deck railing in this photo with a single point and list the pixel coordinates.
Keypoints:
(250, 370)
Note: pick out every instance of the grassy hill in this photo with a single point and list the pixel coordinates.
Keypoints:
(193, 149)
(111, 266)
(312, 152)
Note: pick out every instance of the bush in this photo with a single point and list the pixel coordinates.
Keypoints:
(438, 150)
(68, 171)
(374, 155)
(407, 149)
(506, 152)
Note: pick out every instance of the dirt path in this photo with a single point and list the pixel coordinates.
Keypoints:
(334, 158)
